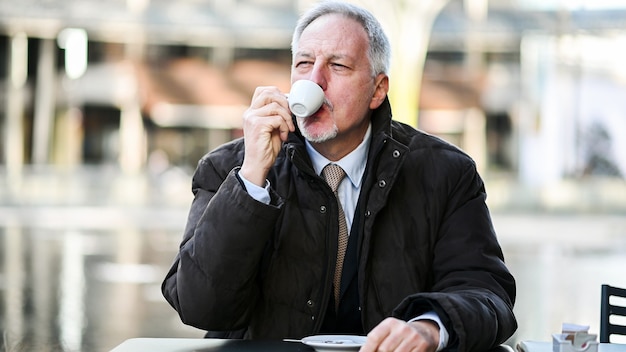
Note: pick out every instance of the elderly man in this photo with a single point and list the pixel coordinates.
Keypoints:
(407, 230)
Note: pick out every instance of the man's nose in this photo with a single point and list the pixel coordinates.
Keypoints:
(318, 75)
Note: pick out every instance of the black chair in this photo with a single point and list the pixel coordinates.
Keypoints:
(608, 309)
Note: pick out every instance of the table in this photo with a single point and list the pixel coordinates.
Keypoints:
(225, 345)
(208, 345)
(544, 346)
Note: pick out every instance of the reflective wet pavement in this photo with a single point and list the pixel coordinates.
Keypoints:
(82, 271)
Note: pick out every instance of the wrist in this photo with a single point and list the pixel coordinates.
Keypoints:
(254, 175)
(433, 317)
(429, 329)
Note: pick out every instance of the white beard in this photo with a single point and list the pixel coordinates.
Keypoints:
(318, 137)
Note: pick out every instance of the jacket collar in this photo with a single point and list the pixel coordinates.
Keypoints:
(381, 119)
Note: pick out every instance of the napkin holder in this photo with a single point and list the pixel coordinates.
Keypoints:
(582, 342)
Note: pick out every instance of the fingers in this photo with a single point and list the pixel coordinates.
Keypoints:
(270, 102)
(266, 124)
(398, 336)
(377, 336)
(270, 118)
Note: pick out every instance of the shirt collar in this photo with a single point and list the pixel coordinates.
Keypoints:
(353, 164)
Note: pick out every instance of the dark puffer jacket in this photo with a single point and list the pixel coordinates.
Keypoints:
(426, 241)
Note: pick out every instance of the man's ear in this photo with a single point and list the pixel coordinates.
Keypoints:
(380, 90)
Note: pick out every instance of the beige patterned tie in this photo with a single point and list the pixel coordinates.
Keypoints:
(333, 175)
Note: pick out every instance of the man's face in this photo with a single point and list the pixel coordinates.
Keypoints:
(333, 52)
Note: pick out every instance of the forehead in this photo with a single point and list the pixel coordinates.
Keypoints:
(335, 32)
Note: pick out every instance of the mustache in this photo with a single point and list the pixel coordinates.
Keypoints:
(328, 104)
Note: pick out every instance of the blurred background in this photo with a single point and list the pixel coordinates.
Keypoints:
(106, 107)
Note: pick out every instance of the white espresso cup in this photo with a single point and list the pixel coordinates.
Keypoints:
(305, 98)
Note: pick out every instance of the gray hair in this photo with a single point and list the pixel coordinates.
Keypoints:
(379, 48)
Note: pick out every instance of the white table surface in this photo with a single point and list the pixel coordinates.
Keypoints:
(545, 346)
(207, 345)
(165, 344)
(188, 345)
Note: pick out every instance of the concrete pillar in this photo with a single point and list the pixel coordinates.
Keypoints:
(133, 139)
(14, 124)
(476, 11)
(408, 25)
(44, 102)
